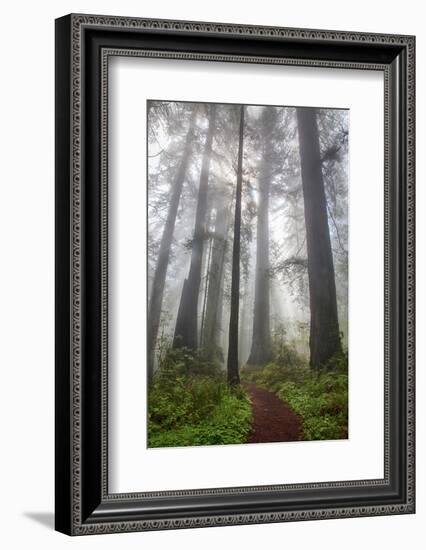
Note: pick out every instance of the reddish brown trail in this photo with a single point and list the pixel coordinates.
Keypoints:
(273, 420)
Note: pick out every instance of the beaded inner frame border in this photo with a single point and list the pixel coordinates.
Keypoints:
(78, 23)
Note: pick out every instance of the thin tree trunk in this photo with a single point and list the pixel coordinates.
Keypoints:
(186, 330)
(205, 293)
(324, 332)
(157, 291)
(210, 329)
(232, 364)
(244, 338)
(260, 352)
(219, 331)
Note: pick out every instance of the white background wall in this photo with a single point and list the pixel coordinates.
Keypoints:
(26, 289)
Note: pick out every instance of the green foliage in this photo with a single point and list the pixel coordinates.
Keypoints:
(287, 366)
(272, 375)
(339, 362)
(228, 424)
(176, 362)
(320, 398)
(190, 403)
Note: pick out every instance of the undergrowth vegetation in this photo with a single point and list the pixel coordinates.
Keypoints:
(320, 397)
(190, 403)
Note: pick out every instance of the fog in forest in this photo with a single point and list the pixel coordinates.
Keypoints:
(245, 204)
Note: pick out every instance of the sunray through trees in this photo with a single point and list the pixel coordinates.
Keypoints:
(159, 279)
(247, 269)
(186, 334)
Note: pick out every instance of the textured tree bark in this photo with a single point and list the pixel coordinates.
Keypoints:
(157, 291)
(260, 352)
(324, 331)
(186, 330)
(210, 340)
(232, 363)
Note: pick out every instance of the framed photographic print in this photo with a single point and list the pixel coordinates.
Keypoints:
(234, 274)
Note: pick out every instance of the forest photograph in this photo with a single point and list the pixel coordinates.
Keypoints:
(247, 239)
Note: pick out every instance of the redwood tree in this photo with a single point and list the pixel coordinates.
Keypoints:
(324, 330)
(157, 291)
(215, 281)
(260, 352)
(232, 363)
(186, 330)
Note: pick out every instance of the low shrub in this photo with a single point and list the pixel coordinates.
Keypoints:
(230, 423)
(185, 362)
(287, 366)
(320, 398)
(189, 403)
(322, 402)
(272, 375)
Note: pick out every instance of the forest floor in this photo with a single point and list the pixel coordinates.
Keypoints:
(273, 420)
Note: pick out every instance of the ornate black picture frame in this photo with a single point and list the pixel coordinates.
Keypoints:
(83, 45)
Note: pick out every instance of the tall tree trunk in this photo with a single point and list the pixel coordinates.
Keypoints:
(157, 291)
(205, 291)
(220, 332)
(260, 352)
(232, 364)
(324, 339)
(186, 330)
(211, 329)
(244, 338)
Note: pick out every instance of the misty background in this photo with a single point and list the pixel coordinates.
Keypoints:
(192, 172)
